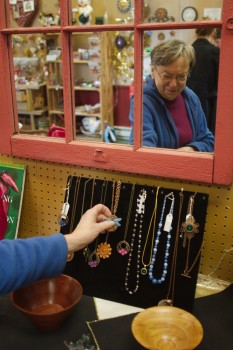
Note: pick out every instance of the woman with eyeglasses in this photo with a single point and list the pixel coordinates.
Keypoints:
(172, 113)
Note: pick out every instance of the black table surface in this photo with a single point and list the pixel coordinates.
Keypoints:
(17, 332)
(215, 312)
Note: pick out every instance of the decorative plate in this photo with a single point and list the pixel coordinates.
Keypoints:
(189, 14)
(123, 5)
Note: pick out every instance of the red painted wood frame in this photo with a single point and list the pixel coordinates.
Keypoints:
(194, 166)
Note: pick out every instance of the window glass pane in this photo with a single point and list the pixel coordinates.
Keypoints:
(166, 98)
(38, 82)
(163, 11)
(33, 13)
(103, 74)
(102, 12)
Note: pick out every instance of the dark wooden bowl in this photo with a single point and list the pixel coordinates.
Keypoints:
(48, 302)
(167, 328)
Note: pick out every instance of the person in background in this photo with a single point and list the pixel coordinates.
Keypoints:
(203, 79)
(23, 261)
(172, 113)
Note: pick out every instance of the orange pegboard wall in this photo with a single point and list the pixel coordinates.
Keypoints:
(44, 195)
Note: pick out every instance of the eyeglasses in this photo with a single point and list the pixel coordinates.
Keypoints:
(167, 78)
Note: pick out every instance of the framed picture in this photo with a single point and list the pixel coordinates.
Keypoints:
(28, 6)
(12, 179)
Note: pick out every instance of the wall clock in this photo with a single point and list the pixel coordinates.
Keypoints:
(123, 5)
(189, 14)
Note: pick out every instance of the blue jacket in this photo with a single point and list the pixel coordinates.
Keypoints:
(159, 129)
(23, 261)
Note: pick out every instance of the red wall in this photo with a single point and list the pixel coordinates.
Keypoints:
(121, 105)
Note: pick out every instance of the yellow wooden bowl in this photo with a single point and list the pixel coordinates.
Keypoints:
(167, 328)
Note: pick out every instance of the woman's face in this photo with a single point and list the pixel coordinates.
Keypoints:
(171, 80)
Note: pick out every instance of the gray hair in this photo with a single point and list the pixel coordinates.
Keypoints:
(169, 51)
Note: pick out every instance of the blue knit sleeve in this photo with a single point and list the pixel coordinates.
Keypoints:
(23, 261)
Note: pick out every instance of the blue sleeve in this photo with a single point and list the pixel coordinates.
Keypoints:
(150, 137)
(203, 139)
(23, 261)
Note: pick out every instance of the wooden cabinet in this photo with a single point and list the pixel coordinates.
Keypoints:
(93, 91)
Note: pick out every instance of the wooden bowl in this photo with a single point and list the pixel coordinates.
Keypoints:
(48, 302)
(167, 328)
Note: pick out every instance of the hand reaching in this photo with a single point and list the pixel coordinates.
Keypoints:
(89, 227)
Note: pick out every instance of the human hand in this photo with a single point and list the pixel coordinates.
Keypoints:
(187, 148)
(89, 227)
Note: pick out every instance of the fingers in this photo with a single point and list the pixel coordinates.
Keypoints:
(105, 225)
(101, 209)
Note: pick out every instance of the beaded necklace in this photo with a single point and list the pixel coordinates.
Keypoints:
(167, 228)
(171, 289)
(138, 217)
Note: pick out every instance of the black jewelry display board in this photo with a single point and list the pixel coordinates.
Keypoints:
(107, 279)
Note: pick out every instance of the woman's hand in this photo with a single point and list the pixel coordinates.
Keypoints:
(89, 227)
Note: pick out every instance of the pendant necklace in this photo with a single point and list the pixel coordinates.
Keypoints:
(63, 217)
(171, 289)
(190, 226)
(94, 259)
(86, 251)
(123, 246)
(144, 268)
(167, 228)
(137, 229)
(188, 229)
(76, 192)
(104, 250)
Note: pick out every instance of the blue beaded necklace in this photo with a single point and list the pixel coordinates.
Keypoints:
(167, 228)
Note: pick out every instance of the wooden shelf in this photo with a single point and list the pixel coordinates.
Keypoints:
(29, 86)
(34, 112)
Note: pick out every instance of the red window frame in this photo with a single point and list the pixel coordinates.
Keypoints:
(193, 166)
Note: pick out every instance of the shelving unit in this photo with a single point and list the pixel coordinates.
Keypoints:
(32, 103)
(90, 88)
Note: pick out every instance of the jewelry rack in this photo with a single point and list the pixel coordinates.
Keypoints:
(181, 229)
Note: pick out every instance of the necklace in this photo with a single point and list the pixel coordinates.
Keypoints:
(138, 217)
(63, 217)
(94, 259)
(123, 246)
(170, 295)
(144, 268)
(189, 227)
(104, 249)
(114, 205)
(188, 269)
(167, 227)
(76, 192)
(86, 251)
